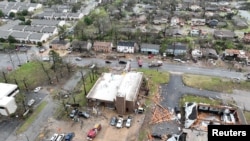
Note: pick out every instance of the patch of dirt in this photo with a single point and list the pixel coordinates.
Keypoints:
(107, 133)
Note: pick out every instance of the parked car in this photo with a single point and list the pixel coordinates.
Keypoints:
(156, 136)
(31, 102)
(69, 136)
(155, 64)
(60, 137)
(23, 49)
(54, 137)
(119, 123)
(113, 121)
(73, 113)
(37, 89)
(128, 122)
(42, 49)
(83, 114)
(108, 62)
(179, 60)
(122, 62)
(78, 58)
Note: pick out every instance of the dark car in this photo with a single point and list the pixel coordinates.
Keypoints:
(69, 136)
(108, 62)
(156, 136)
(113, 121)
(177, 110)
(73, 113)
(122, 62)
(83, 114)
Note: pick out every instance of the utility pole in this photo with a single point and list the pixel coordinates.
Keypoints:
(11, 61)
(5, 78)
(83, 80)
(18, 59)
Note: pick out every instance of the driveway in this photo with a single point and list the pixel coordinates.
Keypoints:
(175, 89)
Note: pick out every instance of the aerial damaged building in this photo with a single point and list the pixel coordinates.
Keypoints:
(118, 91)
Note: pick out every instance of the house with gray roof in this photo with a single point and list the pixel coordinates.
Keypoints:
(38, 22)
(20, 36)
(4, 34)
(45, 15)
(38, 37)
(150, 48)
(18, 28)
(50, 30)
(37, 29)
(60, 16)
(75, 16)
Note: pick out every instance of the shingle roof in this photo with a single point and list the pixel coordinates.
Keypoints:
(33, 28)
(16, 34)
(48, 29)
(150, 46)
(4, 34)
(177, 46)
(103, 44)
(36, 36)
(45, 22)
(19, 27)
(124, 43)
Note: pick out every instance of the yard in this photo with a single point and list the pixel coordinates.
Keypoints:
(214, 83)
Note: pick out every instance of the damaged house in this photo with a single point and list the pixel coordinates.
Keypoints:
(198, 116)
(234, 54)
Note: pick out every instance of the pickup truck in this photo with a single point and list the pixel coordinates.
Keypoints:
(94, 131)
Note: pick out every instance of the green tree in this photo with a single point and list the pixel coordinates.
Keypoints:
(88, 20)
(12, 15)
(28, 22)
(11, 39)
(21, 18)
(25, 12)
(1, 13)
(56, 60)
(76, 7)
(39, 44)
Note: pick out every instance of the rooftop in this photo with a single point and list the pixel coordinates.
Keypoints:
(6, 88)
(109, 85)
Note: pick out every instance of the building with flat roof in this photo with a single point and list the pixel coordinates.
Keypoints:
(117, 90)
(7, 98)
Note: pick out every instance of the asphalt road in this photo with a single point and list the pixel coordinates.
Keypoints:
(184, 68)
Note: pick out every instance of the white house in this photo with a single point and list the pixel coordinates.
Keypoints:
(38, 37)
(20, 36)
(50, 30)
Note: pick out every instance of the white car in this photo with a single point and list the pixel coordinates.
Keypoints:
(31, 102)
(37, 89)
(128, 122)
(78, 58)
(119, 122)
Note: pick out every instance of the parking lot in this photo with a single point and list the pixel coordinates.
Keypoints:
(107, 133)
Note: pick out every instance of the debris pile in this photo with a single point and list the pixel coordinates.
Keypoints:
(160, 113)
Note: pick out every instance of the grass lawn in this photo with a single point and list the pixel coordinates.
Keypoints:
(198, 99)
(214, 83)
(30, 73)
(31, 118)
(155, 78)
